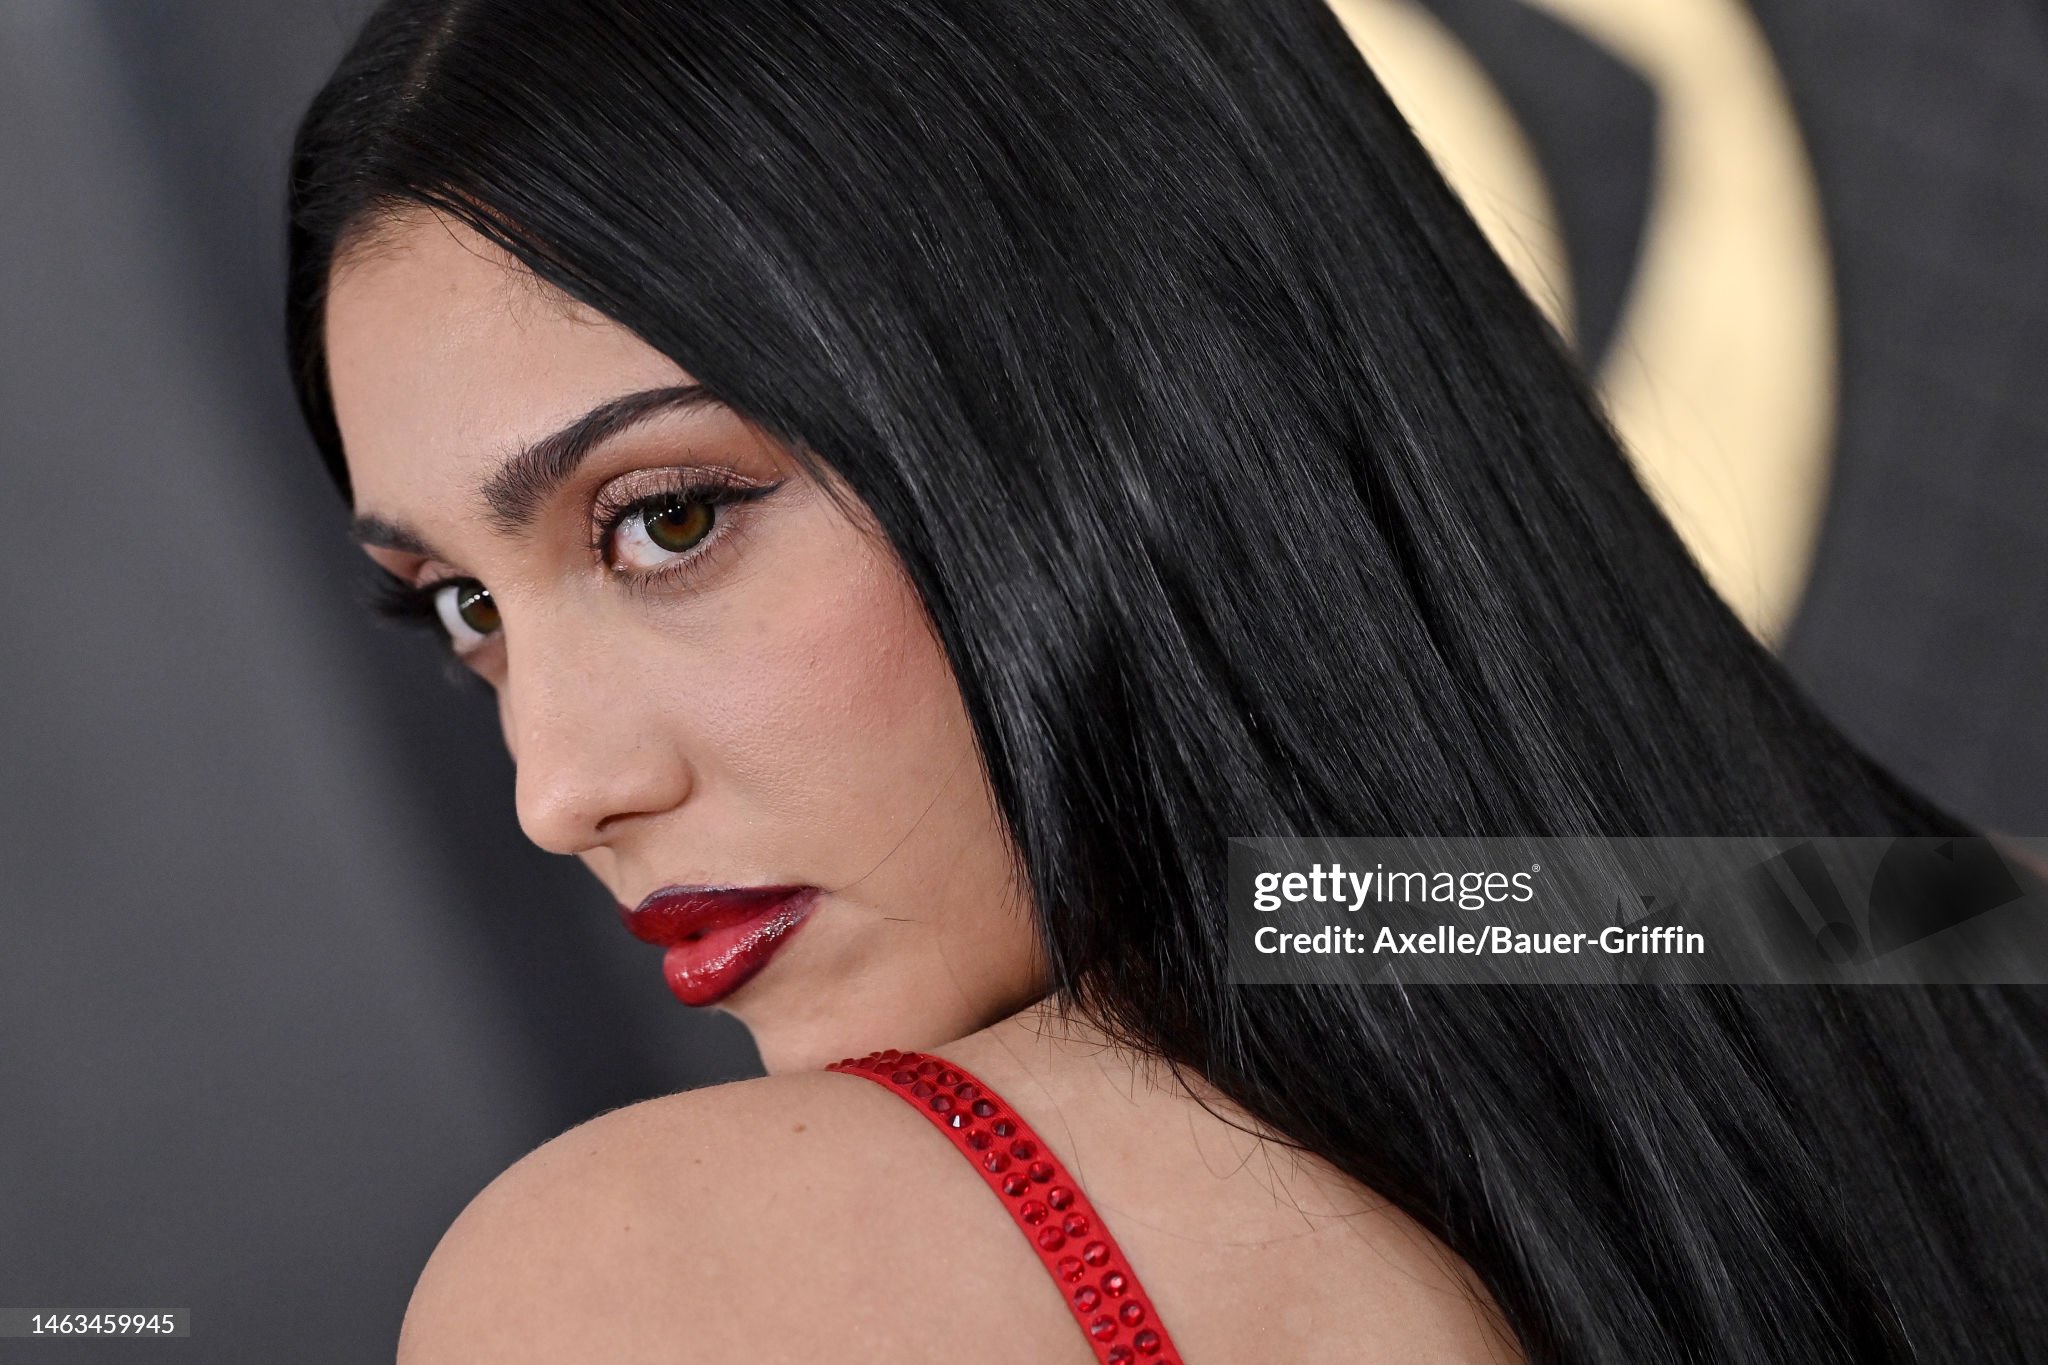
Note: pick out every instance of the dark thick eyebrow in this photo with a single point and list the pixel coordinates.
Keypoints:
(370, 529)
(514, 493)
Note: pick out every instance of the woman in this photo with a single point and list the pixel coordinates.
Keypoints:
(919, 479)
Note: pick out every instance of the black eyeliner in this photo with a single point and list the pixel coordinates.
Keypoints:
(390, 599)
(716, 491)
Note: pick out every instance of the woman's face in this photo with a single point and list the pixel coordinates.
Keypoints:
(707, 675)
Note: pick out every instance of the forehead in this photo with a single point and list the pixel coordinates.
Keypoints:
(444, 353)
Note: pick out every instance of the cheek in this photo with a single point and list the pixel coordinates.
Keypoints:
(837, 721)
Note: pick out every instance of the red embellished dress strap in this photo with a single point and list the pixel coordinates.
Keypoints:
(1043, 1198)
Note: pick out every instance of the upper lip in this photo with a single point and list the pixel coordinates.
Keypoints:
(677, 914)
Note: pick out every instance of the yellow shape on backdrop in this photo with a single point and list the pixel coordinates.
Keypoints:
(1721, 377)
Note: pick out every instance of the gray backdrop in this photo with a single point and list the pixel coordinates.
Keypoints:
(281, 986)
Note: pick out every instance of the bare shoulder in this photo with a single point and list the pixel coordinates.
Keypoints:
(802, 1216)
(1249, 1250)
(815, 1216)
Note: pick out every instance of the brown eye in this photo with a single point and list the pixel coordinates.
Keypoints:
(678, 525)
(467, 612)
(662, 529)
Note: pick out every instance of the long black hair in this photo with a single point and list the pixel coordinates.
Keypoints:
(1249, 494)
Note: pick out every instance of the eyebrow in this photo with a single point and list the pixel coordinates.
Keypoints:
(514, 493)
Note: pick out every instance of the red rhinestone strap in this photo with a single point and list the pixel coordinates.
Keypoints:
(1047, 1202)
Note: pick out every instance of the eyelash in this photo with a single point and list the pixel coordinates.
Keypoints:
(412, 605)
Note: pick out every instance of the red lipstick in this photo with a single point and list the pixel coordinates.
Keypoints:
(717, 937)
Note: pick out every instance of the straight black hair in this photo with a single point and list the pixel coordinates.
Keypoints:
(1249, 494)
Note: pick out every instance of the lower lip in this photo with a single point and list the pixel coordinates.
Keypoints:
(707, 969)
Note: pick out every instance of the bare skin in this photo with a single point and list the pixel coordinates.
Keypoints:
(808, 1217)
(771, 707)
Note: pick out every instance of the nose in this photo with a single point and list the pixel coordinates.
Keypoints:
(589, 747)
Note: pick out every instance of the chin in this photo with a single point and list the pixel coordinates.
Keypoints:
(815, 1039)
(812, 1043)
(781, 1055)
